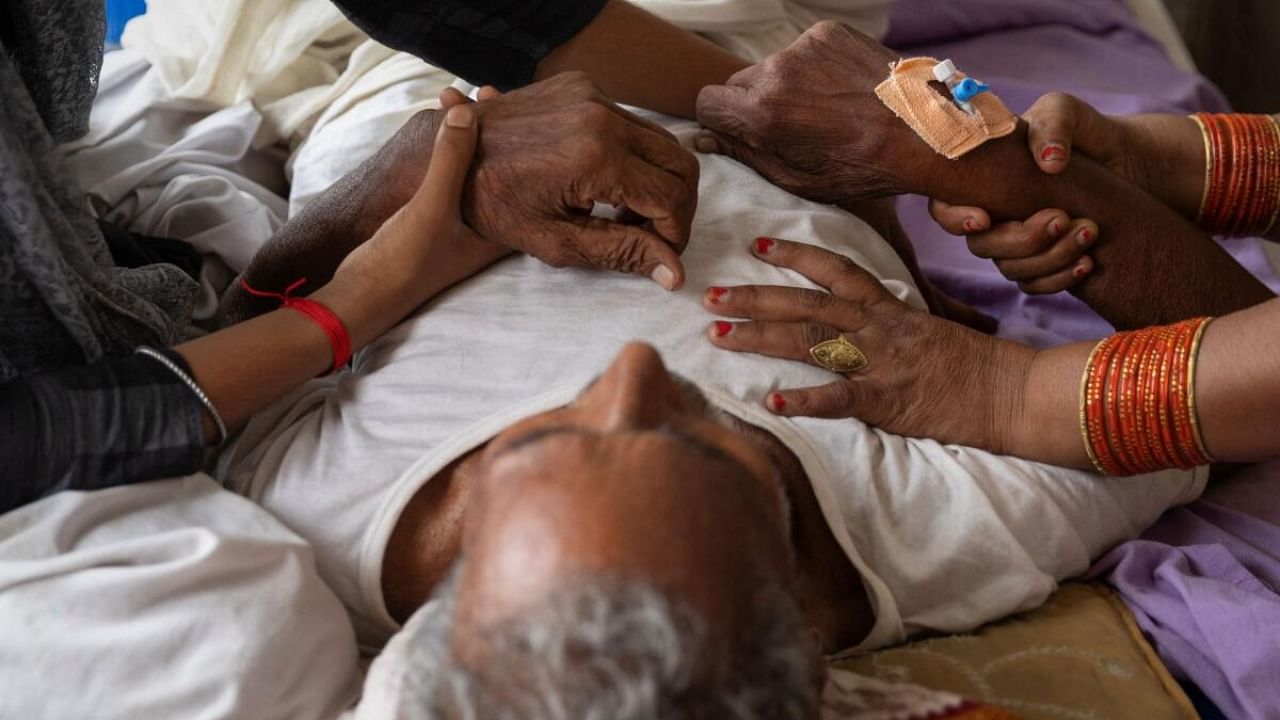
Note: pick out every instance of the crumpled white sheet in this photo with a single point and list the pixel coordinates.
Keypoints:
(168, 599)
(181, 169)
(220, 120)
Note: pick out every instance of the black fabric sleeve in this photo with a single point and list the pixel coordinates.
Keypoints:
(486, 42)
(118, 421)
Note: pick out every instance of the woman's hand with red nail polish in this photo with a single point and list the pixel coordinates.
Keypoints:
(1162, 154)
(921, 367)
(1044, 254)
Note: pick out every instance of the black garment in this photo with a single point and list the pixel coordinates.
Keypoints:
(117, 421)
(132, 250)
(486, 42)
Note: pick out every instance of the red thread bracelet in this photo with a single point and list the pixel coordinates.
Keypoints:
(329, 322)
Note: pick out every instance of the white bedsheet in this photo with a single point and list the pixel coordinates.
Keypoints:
(172, 599)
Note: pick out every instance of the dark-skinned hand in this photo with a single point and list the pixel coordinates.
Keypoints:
(927, 377)
(808, 119)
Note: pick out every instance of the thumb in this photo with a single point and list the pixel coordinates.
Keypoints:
(451, 96)
(1059, 123)
(630, 249)
(767, 164)
(959, 219)
(440, 194)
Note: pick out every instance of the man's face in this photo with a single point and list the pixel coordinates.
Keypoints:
(638, 477)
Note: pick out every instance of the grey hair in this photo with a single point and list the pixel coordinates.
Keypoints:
(613, 649)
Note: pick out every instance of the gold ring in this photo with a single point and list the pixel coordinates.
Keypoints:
(839, 355)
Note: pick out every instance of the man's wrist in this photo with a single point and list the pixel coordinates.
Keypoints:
(394, 173)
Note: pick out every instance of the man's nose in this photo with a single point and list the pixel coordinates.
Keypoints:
(636, 392)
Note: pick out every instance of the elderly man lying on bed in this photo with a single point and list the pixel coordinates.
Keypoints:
(574, 489)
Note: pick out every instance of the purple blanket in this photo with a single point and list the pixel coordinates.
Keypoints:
(1202, 582)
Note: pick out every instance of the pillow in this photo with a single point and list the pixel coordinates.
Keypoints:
(1078, 655)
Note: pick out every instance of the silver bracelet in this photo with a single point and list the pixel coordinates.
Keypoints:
(192, 385)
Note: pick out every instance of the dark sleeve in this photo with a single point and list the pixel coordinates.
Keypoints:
(486, 42)
(118, 421)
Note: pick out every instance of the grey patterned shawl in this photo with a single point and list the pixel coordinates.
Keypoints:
(62, 300)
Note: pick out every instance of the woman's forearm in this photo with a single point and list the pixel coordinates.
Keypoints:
(244, 367)
(1237, 395)
(640, 59)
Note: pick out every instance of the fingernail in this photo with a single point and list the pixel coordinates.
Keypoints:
(718, 295)
(764, 245)
(1056, 228)
(459, 116)
(1053, 151)
(776, 402)
(970, 225)
(704, 144)
(664, 277)
(1085, 237)
(1080, 271)
(722, 328)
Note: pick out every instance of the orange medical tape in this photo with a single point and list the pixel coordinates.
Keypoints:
(938, 121)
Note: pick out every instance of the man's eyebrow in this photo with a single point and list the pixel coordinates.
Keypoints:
(537, 435)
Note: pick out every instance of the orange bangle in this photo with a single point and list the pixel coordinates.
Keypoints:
(1137, 400)
(1242, 174)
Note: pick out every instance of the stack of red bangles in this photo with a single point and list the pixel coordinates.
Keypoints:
(1138, 404)
(1242, 174)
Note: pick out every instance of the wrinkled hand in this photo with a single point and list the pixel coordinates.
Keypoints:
(1048, 253)
(927, 377)
(552, 150)
(808, 119)
(548, 152)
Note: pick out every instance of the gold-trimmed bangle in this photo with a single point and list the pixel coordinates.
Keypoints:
(1208, 165)
(1084, 402)
(1275, 214)
(1191, 390)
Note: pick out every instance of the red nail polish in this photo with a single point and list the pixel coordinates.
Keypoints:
(1052, 152)
(1080, 271)
(1055, 227)
(764, 245)
(717, 293)
(723, 328)
(1086, 236)
(970, 225)
(777, 402)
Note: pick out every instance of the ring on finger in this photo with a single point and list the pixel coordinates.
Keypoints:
(839, 355)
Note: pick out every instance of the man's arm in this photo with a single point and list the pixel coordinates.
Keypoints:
(313, 243)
